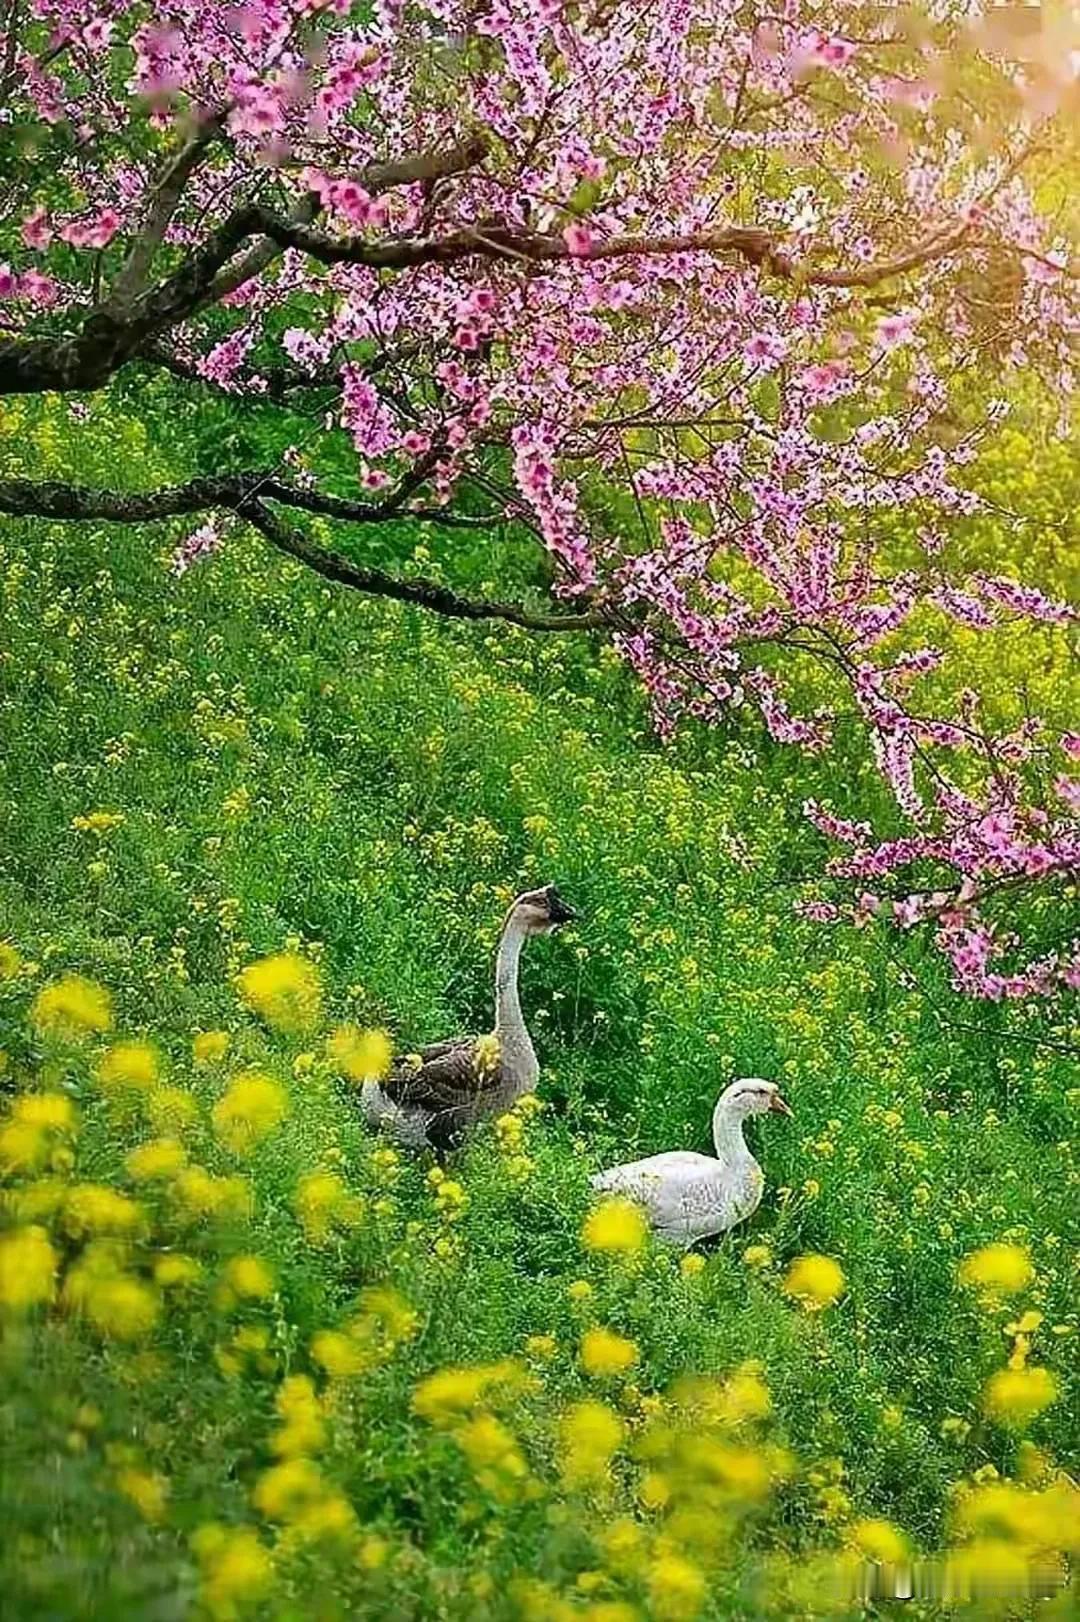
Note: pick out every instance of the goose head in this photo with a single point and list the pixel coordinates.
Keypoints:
(539, 912)
(750, 1095)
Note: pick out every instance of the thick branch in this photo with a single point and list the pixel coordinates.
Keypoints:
(162, 203)
(246, 495)
(428, 594)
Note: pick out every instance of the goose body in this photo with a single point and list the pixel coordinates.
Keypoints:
(431, 1098)
(688, 1196)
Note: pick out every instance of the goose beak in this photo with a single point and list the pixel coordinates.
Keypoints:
(560, 911)
(780, 1106)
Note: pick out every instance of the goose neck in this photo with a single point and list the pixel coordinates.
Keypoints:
(728, 1136)
(517, 1050)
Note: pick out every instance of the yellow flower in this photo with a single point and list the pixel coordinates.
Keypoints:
(285, 1490)
(72, 1007)
(198, 1195)
(443, 1397)
(996, 1270)
(1015, 1396)
(251, 1109)
(149, 1493)
(604, 1353)
(97, 822)
(130, 1066)
(487, 1054)
(172, 1111)
(339, 1354)
(492, 1451)
(208, 1047)
(163, 1157)
(303, 1428)
(322, 1201)
(250, 1278)
(117, 1303)
(390, 1310)
(589, 1434)
(816, 1281)
(236, 1568)
(28, 1139)
(284, 989)
(615, 1225)
(880, 1541)
(94, 1208)
(176, 1271)
(580, 1290)
(10, 961)
(542, 1346)
(757, 1256)
(692, 1266)
(360, 1055)
(677, 1589)
(28, 1265)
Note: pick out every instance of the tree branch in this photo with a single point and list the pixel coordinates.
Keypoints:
(246, 495)
(162, 203)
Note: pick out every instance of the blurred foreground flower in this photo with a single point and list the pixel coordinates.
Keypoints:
(284, 990)
(73, 1007)
(996, 1270)
(360, 1055)
(615, 1226)
(815, 1281)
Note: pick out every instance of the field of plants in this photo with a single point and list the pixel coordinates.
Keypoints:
(256, 1361)
(575, 498)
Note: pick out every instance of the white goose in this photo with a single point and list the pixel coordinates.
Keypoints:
(688, 1196)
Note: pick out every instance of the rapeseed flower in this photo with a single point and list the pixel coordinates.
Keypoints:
(615, 1226)
(28, 1267)
(340, 1354)
(589, 1435)
(209, 1047)
(147, 1491)
(443, 1397)
(150, 1162)
(176, 1271)
(1014, 1397)
(73, 1008)
(677, 1588)
(199, 1195)
(236, 1568)
(880, 1541)
(117, 1303)
(303, 1424)
(94, 1208)
(321, 1202)
(128, 1067)
(757, 1256)
(253, 1107)
(604, 1353)
(815, 1281)
(362, 1055)
(996, 1270)
(692, 1266)
(29, 1137)
(250, 1278)
(284, 990)
(493, 1453)
(10, 961)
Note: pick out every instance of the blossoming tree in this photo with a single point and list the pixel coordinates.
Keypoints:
(695, 293)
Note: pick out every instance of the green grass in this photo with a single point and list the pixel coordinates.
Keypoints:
(295, 763)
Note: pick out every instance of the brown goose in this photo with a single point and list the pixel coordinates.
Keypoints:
(432, 1097)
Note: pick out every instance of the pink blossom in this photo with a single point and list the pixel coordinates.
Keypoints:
(578, 239)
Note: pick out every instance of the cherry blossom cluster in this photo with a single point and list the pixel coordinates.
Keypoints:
(694, 291)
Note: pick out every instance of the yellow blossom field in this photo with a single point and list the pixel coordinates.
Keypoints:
(255, 1361)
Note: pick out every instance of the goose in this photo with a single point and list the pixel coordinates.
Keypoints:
(688, 1196)
(430, 1098)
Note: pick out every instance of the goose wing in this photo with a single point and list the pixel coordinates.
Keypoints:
(452, 1084)
(680, 1191)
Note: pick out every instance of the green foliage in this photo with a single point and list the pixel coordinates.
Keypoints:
(289, 764)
